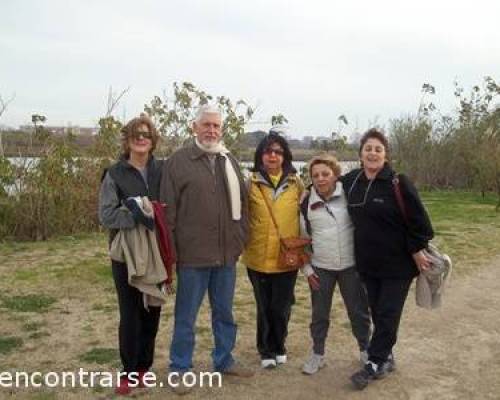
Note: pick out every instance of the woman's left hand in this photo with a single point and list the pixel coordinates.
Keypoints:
(422, 261)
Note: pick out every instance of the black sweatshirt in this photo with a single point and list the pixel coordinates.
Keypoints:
(383, 241)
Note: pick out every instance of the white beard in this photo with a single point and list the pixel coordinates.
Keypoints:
(211, 147)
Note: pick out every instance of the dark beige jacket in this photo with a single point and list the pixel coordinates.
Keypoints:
(138, 248)
(199, 210)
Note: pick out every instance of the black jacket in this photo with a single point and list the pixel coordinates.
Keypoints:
(121, 181)
(383, 241)
(129, 181)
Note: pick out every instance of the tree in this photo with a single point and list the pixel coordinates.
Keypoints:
(4, 104)
(174, 115)
(460, 150)
(278, 119)
(107, 146)
(476, 119)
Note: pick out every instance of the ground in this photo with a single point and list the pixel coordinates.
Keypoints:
(59, 314)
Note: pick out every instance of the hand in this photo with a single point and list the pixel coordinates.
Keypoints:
(132, 203)
(423, 262)
(169, 289)
(313, 280)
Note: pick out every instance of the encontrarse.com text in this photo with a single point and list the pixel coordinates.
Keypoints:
(90, 379)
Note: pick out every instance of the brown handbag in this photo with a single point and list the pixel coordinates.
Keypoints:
(292, 253)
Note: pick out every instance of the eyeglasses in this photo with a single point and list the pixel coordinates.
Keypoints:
(365, 197)
(277, 152)
(138, 134)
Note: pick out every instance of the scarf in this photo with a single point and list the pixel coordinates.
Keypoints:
(232, 177)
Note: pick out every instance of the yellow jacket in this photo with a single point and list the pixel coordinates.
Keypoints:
(262, 249)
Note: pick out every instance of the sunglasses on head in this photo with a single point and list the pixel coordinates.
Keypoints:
(145, 135)
(278, 152)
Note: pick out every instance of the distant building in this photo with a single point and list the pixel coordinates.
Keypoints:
(307, 140)
(62, 130)
(252, 139)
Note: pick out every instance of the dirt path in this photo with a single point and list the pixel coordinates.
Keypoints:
(446, 354)
(450, 353)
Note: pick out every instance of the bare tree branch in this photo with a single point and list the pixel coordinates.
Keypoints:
(3, 107)
(5, 103)
(113, 100)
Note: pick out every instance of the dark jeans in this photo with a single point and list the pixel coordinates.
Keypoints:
(138, 326)
(386, 298)
(274, 296)
(356, 303)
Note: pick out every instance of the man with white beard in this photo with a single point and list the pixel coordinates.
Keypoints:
(207, 212)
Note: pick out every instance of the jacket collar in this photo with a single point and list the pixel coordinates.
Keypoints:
(315, 200)
(258, 177)
(196, 152)
(285, 173)
(387, 173)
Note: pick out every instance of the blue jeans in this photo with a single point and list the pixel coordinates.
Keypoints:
(192, 284)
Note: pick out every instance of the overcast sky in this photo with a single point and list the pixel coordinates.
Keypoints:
(309, 60)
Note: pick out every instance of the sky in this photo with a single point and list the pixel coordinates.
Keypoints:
(311, 61)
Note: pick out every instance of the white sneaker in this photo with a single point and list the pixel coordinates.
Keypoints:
(313, 364)
(363, 357)
(281, 359)
(268, 363)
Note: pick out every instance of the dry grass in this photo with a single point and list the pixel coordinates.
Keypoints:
(79, 328)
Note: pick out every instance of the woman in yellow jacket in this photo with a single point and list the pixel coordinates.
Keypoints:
(275, 178)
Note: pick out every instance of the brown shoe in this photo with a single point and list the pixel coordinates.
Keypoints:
(236, 369)
(178, 386)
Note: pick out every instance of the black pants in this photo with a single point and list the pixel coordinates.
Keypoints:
(386, 298)
(138, 326)
(274, 295)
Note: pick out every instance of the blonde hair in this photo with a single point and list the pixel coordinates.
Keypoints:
(326, 159)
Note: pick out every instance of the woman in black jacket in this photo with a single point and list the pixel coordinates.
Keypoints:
(388, 246)
(137, 173)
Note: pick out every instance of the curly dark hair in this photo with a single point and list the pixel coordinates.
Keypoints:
(375, 133)
(264, 144)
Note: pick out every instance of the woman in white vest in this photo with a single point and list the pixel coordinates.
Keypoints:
(325, 219)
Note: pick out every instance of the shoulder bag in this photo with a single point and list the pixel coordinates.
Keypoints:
(292, 253)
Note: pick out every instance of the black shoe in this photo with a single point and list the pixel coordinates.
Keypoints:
(364, 376)
(388, 366)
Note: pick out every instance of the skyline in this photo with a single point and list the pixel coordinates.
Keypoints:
(310, 62)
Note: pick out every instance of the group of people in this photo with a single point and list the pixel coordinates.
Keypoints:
(360, 239)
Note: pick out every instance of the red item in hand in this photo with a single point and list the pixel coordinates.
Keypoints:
(167, 249)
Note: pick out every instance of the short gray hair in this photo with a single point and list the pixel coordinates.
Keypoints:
(207, 109)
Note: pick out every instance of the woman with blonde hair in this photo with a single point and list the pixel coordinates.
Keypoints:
(325, 219)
